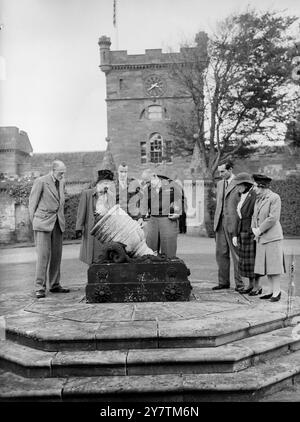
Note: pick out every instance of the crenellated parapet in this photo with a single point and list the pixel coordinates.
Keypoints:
(151, 59)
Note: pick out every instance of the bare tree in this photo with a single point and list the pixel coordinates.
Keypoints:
(240, 85)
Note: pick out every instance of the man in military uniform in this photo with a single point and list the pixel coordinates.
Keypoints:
(162, 204)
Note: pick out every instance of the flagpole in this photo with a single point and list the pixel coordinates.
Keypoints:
(117, 38)
(115, 23)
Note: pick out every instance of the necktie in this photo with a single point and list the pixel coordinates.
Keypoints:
(57, 186)
(225, 187)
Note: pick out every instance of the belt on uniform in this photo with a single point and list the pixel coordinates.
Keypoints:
(159, 215)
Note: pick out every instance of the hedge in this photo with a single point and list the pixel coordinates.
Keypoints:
(289, 192)
(71, 206)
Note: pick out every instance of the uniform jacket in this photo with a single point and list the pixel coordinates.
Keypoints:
(266, 217)
(230, 215)
(85, 222)
(46, 205)
(167, 200)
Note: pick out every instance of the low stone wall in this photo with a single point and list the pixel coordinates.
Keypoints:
(7, 219)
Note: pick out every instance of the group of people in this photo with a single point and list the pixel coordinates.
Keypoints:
(247, 227)
(154, 201)
(246, 223)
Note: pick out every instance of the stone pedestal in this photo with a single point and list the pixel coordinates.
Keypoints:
(138, 282)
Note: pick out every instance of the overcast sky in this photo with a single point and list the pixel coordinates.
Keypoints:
(50, 83)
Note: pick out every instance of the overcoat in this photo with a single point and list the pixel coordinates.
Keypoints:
(85, 222)
(269, 251)
(46, 205)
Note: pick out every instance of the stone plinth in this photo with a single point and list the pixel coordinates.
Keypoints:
(160, 281)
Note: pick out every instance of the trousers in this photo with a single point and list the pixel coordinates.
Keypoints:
(162, 235)
(49, 252)
(224, 248)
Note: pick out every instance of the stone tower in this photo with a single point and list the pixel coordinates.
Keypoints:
(141, 99)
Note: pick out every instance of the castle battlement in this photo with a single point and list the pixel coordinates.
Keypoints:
(152, 57)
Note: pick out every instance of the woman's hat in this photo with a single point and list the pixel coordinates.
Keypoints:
(243, 178)
(105, 175)
(262, 180)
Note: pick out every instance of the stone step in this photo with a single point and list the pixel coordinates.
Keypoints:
(52, 333)
(290, 394)
(250, 384)
(232, 357)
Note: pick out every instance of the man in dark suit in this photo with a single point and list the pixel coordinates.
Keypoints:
(46, 210)
(128, 193)
(224, 224)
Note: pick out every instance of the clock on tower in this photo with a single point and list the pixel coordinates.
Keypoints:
(154, 86)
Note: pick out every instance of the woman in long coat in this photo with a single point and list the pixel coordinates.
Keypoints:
(269, 259)
(91, 247)
(243, 238)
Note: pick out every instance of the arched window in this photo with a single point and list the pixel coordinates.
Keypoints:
(156, 148)
(154, 112)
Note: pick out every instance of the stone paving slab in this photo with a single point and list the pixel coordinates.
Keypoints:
(15, 387)
(109, 363)
(114, 386)
(212, 325)
(227, 358)
(28, 323)
(291, 394)
(68, 330)
(94, 314)
(132, 334)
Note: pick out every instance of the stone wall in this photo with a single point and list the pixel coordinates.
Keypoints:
(23, 226)
(81, 166)
(7, 219)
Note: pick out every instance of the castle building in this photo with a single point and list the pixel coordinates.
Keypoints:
(141, 100)
(15, 152)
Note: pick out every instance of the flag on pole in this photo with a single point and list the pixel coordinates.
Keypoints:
(115, 13)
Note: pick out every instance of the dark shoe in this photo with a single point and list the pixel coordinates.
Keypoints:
(275, 298)
(220, 287)
(267, 296)
(256, 292)
(59, 289)
(245, 291)
(39, 295)
(239, 289)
